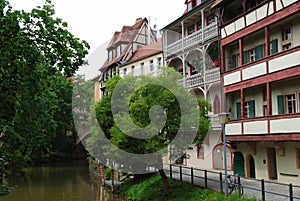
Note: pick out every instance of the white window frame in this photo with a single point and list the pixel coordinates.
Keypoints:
(290, 102)
(151, 64)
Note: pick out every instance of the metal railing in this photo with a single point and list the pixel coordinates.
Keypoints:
(214, 180)
(195, 38)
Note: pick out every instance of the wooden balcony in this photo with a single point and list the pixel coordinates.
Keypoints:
(214, 122)
(211, 76)
(191, 40)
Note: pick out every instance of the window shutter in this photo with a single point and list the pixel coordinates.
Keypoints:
(238, 110)
(233, 61)
(245, 56)
(274, 46)
(252, 108)
(280, 104)
(258, 52)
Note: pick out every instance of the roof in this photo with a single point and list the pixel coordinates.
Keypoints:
(125, 36)
(146, 50)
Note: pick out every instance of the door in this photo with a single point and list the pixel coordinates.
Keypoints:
(239, 166)
(218, 162)
(272, 165)
(252, 167)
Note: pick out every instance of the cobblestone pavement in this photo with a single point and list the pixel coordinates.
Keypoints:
(252, 187)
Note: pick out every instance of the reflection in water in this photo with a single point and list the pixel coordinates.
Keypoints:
(63, 183)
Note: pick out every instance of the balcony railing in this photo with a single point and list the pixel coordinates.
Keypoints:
(211, 76)
(195, 38)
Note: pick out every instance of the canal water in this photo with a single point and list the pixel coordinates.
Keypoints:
(58, 183)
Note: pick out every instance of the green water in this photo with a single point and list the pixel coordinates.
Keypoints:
(57, 183)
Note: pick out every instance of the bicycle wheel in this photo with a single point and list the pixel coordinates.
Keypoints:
(241, 190)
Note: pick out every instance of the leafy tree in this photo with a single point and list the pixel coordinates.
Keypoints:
(158, 109)
(38, 55)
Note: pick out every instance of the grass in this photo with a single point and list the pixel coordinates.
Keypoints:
(149, 188)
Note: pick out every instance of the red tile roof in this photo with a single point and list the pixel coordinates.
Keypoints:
(147, 50)
(126, 35)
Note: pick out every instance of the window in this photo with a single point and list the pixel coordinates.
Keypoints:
(286, 34)
(118, 51)
(210, 20)
(110, 55)
(290, 101)
(251, 55)
(142, 68)
(159, 61)
(191, 29)
(235, 61)
(286, 38)
(249, 109)
(274, 46)
(132, 70)
(200, 152)
(298, 157)
(287, 104)
(124, 71)
(199, 25)
(151, 64)
(287, 46)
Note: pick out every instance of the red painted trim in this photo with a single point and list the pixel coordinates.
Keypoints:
(242, 103)
(283, 74)
(269, 99)
(241, 48)
(267, 40)
(282, 14)
(268, 137)
(213, 155)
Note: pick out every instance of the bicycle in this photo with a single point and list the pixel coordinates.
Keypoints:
(234, 184)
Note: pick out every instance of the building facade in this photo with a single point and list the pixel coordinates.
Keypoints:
(120, 50)
(191, 46)
(260, 51)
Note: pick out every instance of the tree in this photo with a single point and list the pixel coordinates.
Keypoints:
(38, 55)
(146, 115)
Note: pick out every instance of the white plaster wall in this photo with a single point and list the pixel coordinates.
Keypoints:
(286, 163)
(137, 66)
(230, 29)
(255, 127)
(262, 12)
(254, 71)
(284, 62)
(251, 18)
(232, 78)
(278, 5)
(239, 24)
(284, 87)
(233, 129)
(288, 2)
(285, 125)
(206, 163)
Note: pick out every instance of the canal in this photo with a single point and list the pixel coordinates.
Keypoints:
(67, 182)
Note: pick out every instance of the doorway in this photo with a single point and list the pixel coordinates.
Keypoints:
(272, 165)
(238, 161)
(250, 166)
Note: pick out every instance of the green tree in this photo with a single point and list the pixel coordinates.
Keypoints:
(38, 55)
(158, 109)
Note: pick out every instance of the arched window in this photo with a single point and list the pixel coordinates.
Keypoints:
(216, 106)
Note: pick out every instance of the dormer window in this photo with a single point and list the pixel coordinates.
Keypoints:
(118, 51)
(110, 55)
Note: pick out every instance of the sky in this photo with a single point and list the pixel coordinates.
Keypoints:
(96, 20)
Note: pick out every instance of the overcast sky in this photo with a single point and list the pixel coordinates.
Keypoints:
(96, 20)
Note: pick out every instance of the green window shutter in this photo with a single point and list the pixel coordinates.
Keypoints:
(258, 52)
(274, 44)
(233, 61)
(238, 110)
(245, 56)
(252, 108)
(280, 104)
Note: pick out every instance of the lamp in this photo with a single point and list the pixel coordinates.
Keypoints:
(223, 119)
